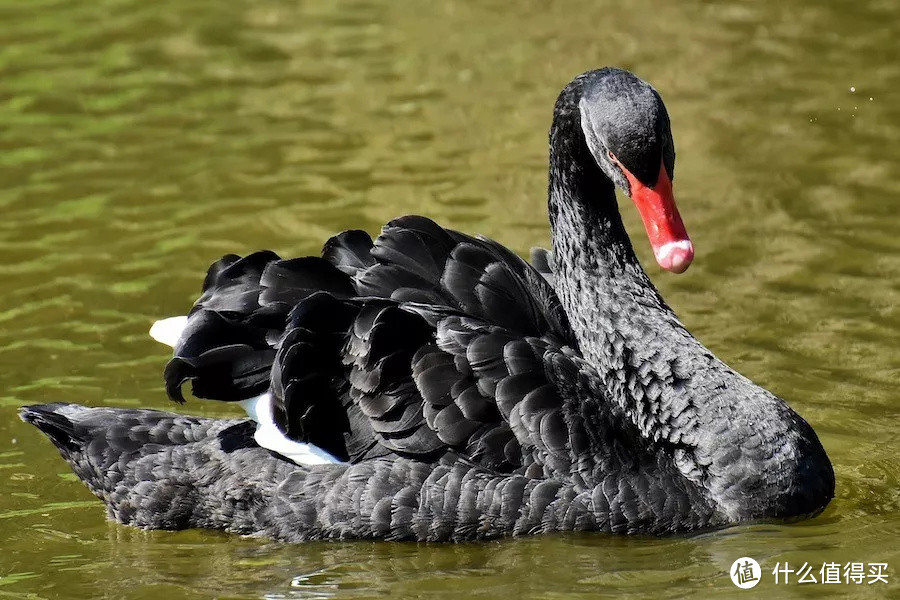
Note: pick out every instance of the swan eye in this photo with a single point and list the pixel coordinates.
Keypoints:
(611, 156)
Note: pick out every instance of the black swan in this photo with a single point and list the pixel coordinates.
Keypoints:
(431, 385)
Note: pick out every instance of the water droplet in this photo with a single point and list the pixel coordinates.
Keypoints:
(852, 88)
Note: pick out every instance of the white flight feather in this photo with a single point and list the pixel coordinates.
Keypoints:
(167, 331)
(270, 437)
(259, 409)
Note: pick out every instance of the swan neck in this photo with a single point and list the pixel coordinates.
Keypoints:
(597, 275)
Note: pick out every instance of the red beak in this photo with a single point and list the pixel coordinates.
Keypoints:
(671, 245)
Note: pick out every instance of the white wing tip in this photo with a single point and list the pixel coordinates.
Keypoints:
(167, 331)
(270, 437)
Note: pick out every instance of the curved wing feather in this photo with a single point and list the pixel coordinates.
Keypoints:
(421, 343)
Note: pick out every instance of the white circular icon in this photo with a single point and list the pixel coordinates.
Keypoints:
(745, 573)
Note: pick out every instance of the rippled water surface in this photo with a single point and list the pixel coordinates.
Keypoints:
(139, 141)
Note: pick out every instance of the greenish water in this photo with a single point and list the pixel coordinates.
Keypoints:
(140, 141)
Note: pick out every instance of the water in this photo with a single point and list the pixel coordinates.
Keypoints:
(140, 141)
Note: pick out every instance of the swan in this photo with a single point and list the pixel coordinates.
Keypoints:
(431, 385)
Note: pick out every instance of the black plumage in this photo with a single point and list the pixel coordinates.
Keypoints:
(469, 394)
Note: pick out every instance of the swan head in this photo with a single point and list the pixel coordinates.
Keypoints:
(626, 128)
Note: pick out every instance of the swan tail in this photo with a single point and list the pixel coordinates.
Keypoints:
(159, 470)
